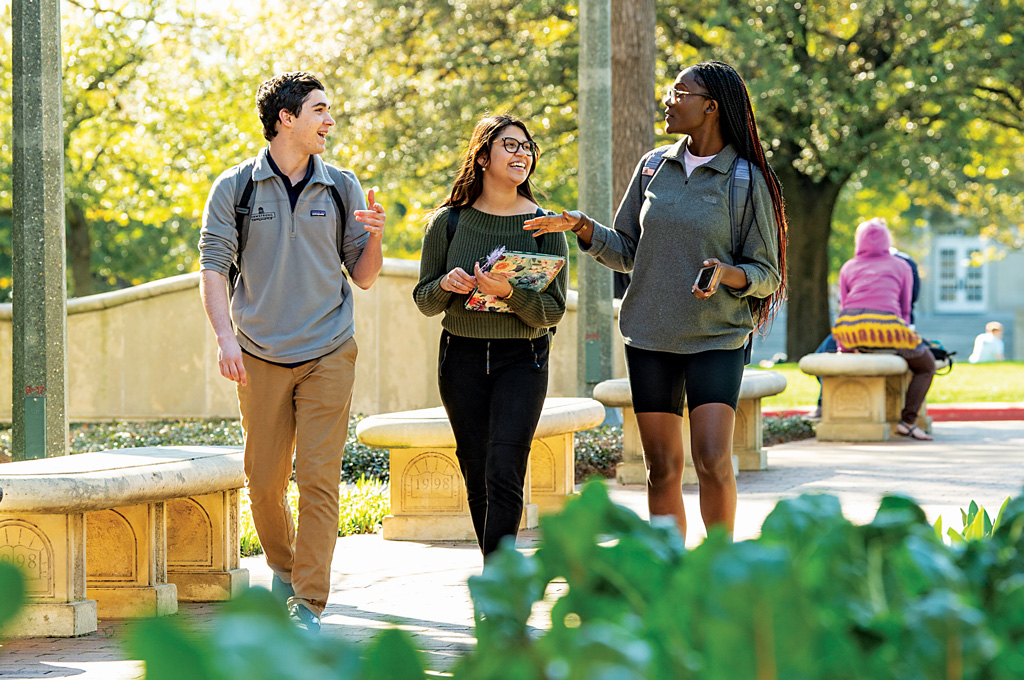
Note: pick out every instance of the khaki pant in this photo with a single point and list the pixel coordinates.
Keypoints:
(303, 409)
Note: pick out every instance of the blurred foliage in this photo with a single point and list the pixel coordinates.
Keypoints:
(253, 639)
(814, 597)
(12, 590)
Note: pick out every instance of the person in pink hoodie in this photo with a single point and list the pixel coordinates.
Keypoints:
(875, 292)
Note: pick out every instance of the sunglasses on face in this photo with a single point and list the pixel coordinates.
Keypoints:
(673, 95)
(512, 145)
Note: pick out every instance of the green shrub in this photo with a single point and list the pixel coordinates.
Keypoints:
(815, 597)
(362, 508)
(597, 452)
(361, 460)
(782, 429)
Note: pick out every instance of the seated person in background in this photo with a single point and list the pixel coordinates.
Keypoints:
(988, 346)
(829, 343)
(875, 291)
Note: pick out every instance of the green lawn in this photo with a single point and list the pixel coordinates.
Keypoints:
(967, 383)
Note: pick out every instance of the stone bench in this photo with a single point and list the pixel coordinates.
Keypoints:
(428, 496)
(747, 448)
(120, 534)
(862, 395)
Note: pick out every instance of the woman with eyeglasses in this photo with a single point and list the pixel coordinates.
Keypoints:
(492, 366)
(687, 330)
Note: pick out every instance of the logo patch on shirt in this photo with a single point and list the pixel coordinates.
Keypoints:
(260, 215)
(318, 213)
(711, 199)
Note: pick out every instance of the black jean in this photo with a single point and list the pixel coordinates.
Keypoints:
(493, 392)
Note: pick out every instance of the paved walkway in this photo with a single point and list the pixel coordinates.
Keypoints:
(421, 587)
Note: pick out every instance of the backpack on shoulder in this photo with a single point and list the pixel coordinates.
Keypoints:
(740, 198)
(243, 208)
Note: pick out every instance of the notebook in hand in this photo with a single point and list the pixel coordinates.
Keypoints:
(531, 271)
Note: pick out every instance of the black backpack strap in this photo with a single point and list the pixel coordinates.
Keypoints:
(453, 221)
(339, 206)
(243, 208)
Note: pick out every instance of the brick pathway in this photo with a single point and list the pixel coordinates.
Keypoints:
(421, 587)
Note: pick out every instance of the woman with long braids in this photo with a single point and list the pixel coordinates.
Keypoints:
(492, 367)
(682, 339)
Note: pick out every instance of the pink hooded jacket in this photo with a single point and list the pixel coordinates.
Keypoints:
(874, 279)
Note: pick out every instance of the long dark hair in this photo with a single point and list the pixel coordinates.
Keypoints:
(469, 182)
(739, 128)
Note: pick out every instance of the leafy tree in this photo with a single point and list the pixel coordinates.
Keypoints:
(411, 80)
(882, 92)
(146, 123)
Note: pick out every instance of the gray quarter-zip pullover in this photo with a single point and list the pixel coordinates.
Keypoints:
(293, 303)
(664, 236)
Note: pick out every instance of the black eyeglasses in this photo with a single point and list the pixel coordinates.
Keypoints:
(672, 95)
(512, 145)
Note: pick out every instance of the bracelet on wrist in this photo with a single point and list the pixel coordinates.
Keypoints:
(579, 226)
(512, 289)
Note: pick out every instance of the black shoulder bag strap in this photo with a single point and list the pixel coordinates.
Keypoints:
(453, 222)
(243, 208)
(339, 207)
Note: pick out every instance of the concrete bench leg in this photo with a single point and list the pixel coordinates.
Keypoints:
(632, 469)
(552, 471)
(858, 408)
(428, 498)
(748, 436)
(50, 549)
(203, 547)
(126, 562)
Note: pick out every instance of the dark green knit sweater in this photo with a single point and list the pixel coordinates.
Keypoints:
(477, 235)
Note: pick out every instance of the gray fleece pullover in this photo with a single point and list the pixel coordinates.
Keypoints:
(293, 302)
(664, 236)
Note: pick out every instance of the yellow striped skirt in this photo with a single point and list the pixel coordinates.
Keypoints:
(873, 330)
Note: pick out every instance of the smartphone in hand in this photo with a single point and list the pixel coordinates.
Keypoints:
(708, 277)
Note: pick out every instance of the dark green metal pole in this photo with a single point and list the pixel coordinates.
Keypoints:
(39, 399)
(594, 362)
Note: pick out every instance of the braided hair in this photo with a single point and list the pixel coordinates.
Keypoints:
(740, 129)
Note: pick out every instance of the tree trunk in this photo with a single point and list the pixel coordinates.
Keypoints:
(79, 251)
(634, 100)
(809, 207)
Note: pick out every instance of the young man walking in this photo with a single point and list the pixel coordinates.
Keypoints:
(291, 351)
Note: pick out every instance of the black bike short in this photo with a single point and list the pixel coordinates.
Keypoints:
(658, 380)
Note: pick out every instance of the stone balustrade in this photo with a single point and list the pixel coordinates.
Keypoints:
(428, 496)
(748, 450)
(121, 534)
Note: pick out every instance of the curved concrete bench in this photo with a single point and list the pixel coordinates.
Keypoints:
(747, 448)
(862, 395)
(132, 530)
(428, 496)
